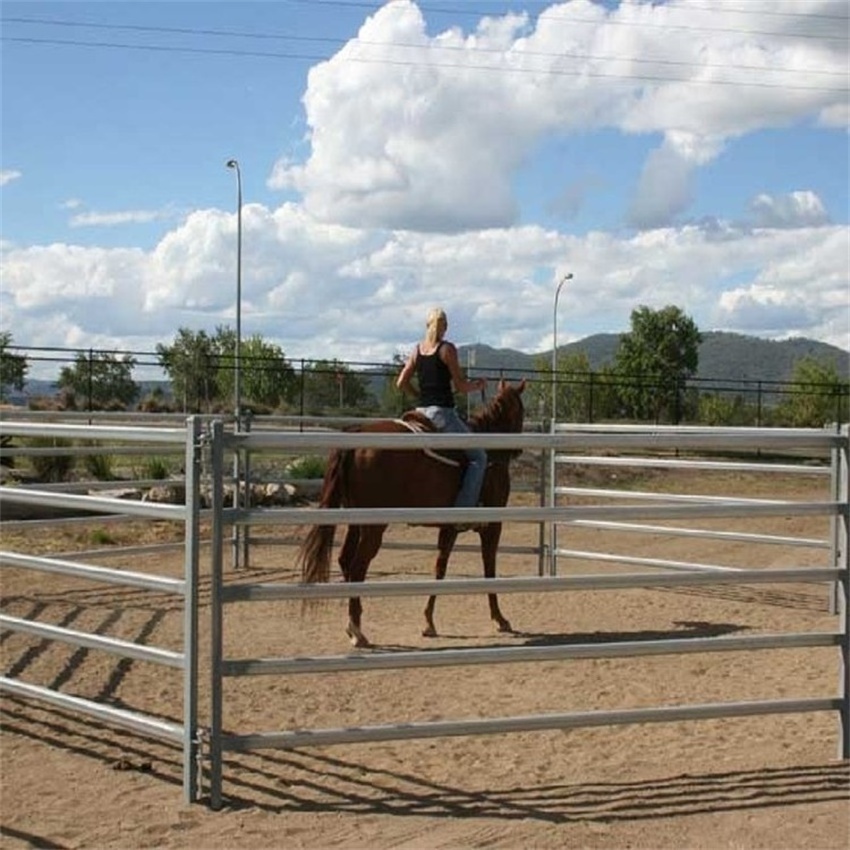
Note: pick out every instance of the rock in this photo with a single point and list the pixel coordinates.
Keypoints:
(132, 494)
(173, 493)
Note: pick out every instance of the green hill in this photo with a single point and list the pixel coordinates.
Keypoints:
(722, 357)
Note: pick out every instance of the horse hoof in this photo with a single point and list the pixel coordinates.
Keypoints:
(358, 639)
(504, 627)
(429, 631)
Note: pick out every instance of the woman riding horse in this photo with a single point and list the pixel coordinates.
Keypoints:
(409, 478)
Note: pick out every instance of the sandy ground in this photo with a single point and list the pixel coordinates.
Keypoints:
(761, 782)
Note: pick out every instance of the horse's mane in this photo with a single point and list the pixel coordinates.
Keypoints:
(497, 417)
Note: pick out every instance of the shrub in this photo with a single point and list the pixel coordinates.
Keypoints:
(309, 466)
(6, 443)
(157, 403)
(157, 468)
(101, 537)
(53, 467)
(43, 402)
(99, 467)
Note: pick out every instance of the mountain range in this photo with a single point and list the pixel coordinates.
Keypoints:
(722, 357)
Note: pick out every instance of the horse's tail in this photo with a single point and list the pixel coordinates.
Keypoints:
(314, 556)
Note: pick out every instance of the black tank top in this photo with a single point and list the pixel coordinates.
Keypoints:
(435, 380)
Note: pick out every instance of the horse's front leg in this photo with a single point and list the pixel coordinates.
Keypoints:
(490, 535)
(445, 544)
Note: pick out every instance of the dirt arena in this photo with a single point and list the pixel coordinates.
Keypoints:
(762, 782)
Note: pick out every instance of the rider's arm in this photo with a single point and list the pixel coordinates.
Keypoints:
(406, 374)
(448, 354)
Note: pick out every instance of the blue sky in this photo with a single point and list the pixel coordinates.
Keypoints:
(401, 155)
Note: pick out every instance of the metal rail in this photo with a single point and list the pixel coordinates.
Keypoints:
(520, 654)
(530, 723)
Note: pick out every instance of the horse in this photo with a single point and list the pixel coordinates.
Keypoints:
(407, 478)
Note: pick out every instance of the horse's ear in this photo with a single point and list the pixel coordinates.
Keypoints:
(521, 386)
(502, 385)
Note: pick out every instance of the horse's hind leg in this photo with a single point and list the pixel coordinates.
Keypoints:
(359, 548)
(346, 560)
(445, 544)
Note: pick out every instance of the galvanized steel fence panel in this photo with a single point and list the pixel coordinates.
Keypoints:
(832, 444)
(189, 441)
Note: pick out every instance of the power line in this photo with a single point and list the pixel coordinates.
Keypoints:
(582, 72)
(403, 45)
(822, 16)
(462, 10)
(478, 13)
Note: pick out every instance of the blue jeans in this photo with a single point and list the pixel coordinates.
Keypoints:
(446, 419)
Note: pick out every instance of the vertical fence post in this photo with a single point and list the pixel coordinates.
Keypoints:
(835, 476)
(90, 382)
(190, 609)
(841, 542)
(216, 624)
(543, 500)
(301, 405)
(553, 500)
(246, 498)
(236, 529)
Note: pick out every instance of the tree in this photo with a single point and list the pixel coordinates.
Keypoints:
(266, 377)
(819, 395)
(603, 396)
(654, 360)
(573, 379)
(191, 363)
(101, 378)
(202, 370)
(13, 367)
(330, 384)
(720, 409)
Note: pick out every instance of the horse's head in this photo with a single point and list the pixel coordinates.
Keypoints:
(505, 413)
(512, 411)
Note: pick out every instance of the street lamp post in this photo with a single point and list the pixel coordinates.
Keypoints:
(553, 532)
(237, 371)
(237, 379)
(564, 279)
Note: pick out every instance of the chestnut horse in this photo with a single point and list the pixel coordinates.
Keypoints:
(406, 478)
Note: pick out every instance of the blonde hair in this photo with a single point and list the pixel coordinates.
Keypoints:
(435, 325)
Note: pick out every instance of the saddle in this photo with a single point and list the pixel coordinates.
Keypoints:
(417, 421)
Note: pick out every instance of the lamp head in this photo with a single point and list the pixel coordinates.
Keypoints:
(232, 163)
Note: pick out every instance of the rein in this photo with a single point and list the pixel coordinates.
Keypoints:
(417, 428)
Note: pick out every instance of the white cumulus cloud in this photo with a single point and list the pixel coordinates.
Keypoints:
(361, 295)
(796, 209)
(426, 132)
